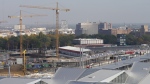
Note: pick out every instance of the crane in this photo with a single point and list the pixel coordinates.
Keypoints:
(20, 20)
(24, 62)
(57, 21)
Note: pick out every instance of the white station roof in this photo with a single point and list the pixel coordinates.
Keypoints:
(102, 76)
(19, 81)
(71, 48)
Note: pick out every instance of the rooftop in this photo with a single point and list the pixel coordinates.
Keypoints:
(74, 48)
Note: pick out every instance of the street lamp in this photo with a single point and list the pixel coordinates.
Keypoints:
(9, 73)
(82, 58)
(81, 55)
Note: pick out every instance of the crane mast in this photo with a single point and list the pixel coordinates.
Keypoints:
(20, 33)
(21, 42)
(57, 22)
(57, 33)
(20, 21)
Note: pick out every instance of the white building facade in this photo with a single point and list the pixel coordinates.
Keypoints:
(88, 41)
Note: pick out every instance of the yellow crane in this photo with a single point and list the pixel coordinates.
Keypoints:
(57, 21)
(20, 20)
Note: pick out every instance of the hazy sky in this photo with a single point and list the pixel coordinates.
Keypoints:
(114, 11)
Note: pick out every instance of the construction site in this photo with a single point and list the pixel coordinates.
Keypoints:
(85, 60)
(43, 63)
(11, 62)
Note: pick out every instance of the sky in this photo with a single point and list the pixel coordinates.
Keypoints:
(113, 11)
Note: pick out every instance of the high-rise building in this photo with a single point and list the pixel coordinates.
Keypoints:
(105, 26)
(115, 31)
(86, 28)
(17, 27)
(144, 28)
(90, 28)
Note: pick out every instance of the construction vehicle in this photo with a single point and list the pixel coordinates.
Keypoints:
(35, 71)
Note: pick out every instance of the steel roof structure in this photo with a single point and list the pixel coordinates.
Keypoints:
(125, 62)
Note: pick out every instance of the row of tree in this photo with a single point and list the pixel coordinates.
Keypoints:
(49, 40)
(133, 40)
(35, 41)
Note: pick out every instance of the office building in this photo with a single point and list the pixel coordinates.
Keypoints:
(121, 39)
(90, 28)
(105, 26)
(86, 28)
(64, 29)
(17, 27)
(87, 41)
(114, 31)
(144, 29)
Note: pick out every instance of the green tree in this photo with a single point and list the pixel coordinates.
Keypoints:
(66, 40)
(146, 39)
(130, 39)
(33, 41)
(110, 39)
(14, 42)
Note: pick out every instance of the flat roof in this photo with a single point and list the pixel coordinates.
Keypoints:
(71, 48)
(101, 76)
(80, 76)
(138, 72)
(145, 80)
(124, 62)
(18, 80)
(88, 39)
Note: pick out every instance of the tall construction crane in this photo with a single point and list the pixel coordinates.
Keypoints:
(24, 61)
(57, 21)
(20, 20)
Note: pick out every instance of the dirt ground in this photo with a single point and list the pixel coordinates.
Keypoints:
(15, 70)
